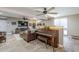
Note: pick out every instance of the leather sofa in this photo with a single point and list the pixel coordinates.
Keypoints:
(28, 36)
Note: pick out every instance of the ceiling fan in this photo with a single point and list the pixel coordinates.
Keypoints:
(46, 11)
(24, 18)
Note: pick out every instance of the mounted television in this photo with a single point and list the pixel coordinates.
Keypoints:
(22, 23)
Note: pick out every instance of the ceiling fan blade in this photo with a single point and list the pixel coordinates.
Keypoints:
(43, 19)
(51, 8)
(50, 18)
(52, 13)
(38, 11)
(39, 14)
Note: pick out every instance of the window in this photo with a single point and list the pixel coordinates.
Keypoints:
(3, 25)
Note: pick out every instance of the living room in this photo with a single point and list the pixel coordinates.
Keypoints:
(16, 22)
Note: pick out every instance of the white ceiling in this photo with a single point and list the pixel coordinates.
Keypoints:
(30, 11)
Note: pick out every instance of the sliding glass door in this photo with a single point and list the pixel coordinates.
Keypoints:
(61, 22)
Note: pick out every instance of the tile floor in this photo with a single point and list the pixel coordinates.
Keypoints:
(71, 45)
(16, 44)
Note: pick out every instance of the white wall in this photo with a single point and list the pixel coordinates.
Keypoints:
(73, 25)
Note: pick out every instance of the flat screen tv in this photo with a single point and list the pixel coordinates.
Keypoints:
(22, 23)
